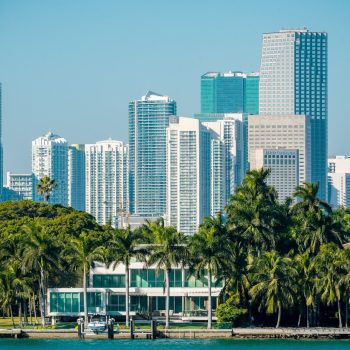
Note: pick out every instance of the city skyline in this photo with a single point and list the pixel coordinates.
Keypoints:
(70, 112)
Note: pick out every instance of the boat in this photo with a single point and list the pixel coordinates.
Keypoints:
(97, 324)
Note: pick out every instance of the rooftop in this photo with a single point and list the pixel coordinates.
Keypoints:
(154, 96)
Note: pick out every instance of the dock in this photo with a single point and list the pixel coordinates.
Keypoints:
(153, 333)
(10, 333)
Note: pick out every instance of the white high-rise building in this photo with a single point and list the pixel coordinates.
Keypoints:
(284, 167)
(230, 131)
(76, 176)
(188, 173)
(107, 186)
(275, 132)
(22, 184)
(339, 181)
(50, 158)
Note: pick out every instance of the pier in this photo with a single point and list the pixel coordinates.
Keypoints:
(153, 333)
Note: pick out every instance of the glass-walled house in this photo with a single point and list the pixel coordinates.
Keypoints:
(106, 294)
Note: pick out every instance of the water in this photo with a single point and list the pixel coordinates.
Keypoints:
(173, 344)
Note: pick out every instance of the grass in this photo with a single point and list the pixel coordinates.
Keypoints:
(6, 322)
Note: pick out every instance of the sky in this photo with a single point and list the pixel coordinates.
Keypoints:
(72, 66)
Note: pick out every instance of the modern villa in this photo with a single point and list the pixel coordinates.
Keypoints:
(106, 294)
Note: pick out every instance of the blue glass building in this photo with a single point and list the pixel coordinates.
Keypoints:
(148, 120)
(222, 92)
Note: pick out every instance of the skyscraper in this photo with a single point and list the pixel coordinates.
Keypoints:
(188, 174)
(222, 92)
(251, 93)
(148, 120)
(22, 184)
(293, 80)
(1, 149)
(107, 196)
(50, 158)
(76, 177)
(284, 169)
(231, 92)
(280, 132)
(339, 181)
(230, 131)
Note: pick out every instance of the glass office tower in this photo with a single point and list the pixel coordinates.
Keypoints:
(293, 80)
(148, 120)
(251, 93)
(76, 176)
(222, 92)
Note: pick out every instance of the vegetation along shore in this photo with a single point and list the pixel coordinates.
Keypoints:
(281, 264)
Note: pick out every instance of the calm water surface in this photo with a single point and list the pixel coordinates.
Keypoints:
(173, 344)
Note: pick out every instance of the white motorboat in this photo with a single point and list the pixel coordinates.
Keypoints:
(97, 324)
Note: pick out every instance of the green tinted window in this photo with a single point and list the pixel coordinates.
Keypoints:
(53, 302)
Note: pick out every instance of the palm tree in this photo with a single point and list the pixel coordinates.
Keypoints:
(254, 217)
(11, 285)
(237, 275)
(124, 246)
(306, 281)
(45, 187)
(82, 253)
(331, 266)
(274, 283)
(314, 224)
(209, 248)
(307, 195)
(169, 249)
(41, 253)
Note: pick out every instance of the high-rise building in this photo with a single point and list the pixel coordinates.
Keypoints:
(284, 167)
(188, 174)
(50, 158)
(293, 80)
(274, 132)
(339, 181)
(76, 177)
(22, 184)
(148, 120)
(1, 149)
(222, 92)
(107, 195)
(230, 132)
(251, 93)
(231, 92)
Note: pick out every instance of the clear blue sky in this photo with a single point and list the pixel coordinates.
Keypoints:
(72, 66)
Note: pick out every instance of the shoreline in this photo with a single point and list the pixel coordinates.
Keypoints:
(235, 333)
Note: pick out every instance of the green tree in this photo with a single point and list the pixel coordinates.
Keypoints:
(82, 253)
(125, 245)
(254, 217)
(210, 251)
(13, 286)
(45, 187)
(168, 250)
(331, 266)
(41, 253)
(274, 283)
(313, 223)
(306, 282)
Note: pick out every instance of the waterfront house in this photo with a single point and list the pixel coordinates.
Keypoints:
(106, 294)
